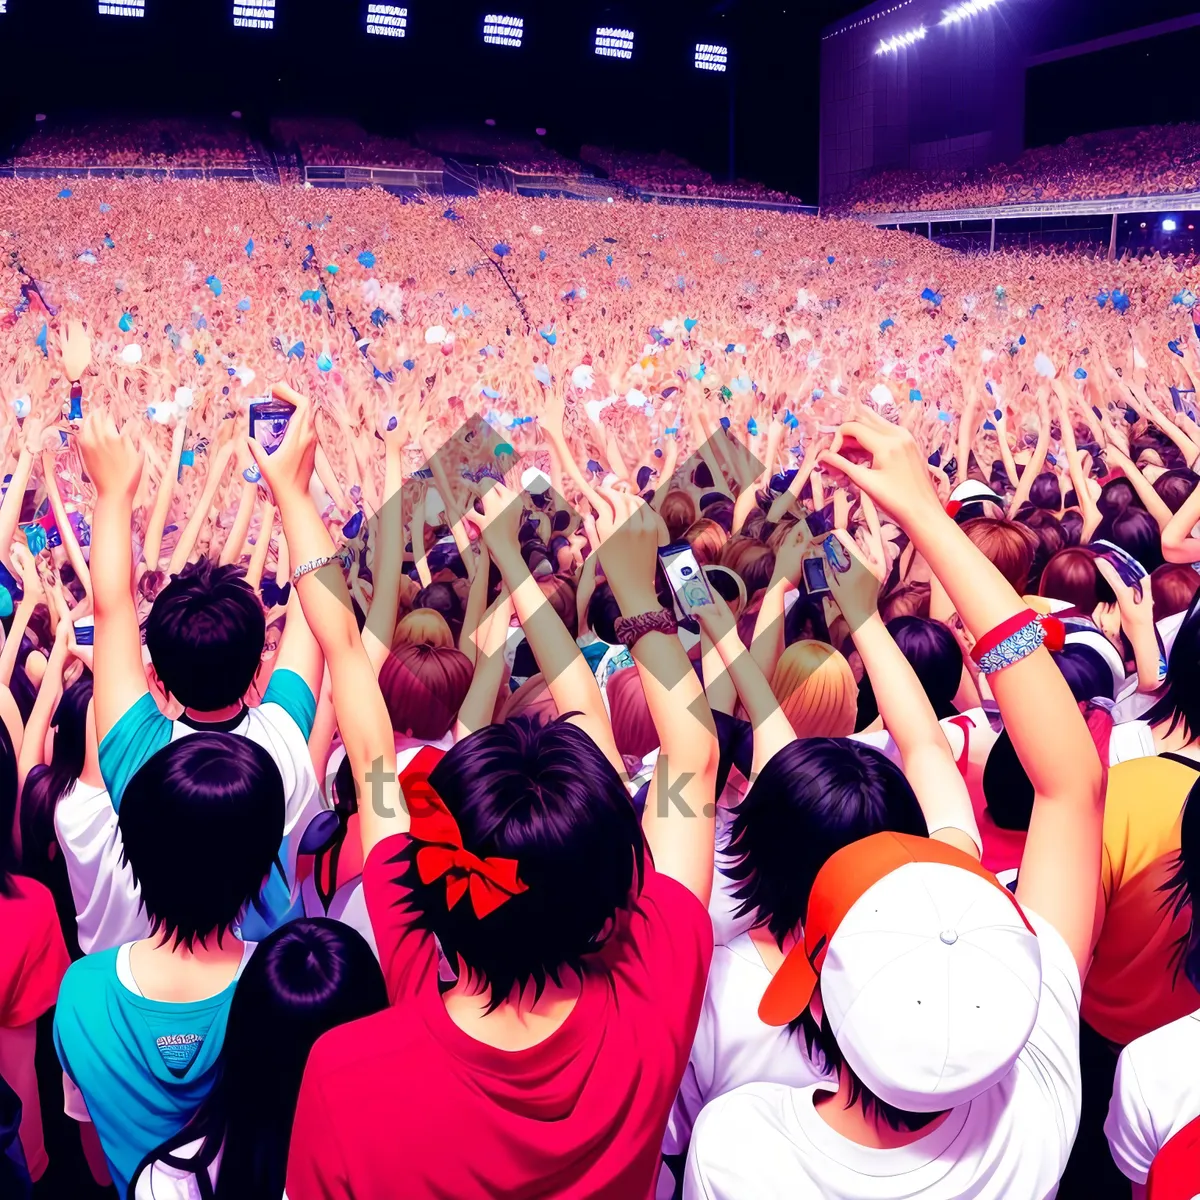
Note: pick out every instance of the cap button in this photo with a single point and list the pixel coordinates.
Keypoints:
(949, 936)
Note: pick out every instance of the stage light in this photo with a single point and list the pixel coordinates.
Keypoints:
(965, 11)
(895, 44)
(122, 8)
(1169, 225)
(710, 57)
(254, 14)
(387, 20)
(614, 43)
(501, 30)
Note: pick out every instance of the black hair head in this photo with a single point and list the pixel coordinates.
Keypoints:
(933, 654)
(201, 824)
(544, 796)
(442, 598)
(1086, 672)
(205, 634)
(815, 796)
(306, 978)
(1007, 790)
(46, 784)
(1044, 492)
(1175, 486)
(602, 613)
(1136, 532)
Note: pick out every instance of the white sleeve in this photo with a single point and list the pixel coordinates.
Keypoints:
(1129, 1127)
(1050, 1061)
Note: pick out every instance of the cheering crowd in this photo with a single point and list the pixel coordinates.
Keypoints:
(545, 699)
(1158, 160)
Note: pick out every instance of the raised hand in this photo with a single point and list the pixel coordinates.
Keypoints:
(110, 457)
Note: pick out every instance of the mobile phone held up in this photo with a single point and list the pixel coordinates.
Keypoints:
(1127, 567)
(269, 421)
(687, 580)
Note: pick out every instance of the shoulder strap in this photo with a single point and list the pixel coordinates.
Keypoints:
(1182, 759)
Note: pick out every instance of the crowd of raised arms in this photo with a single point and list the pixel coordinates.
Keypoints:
(696, 703)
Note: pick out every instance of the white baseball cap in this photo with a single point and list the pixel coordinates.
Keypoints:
(930, 973)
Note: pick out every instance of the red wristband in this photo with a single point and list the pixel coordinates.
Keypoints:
(1055, 632)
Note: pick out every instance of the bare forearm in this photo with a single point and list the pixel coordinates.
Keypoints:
(152, 547)
(389, 563)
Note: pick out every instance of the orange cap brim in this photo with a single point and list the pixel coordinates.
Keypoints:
(790, 990)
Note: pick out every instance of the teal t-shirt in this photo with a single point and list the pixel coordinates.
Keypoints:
(142, 1065)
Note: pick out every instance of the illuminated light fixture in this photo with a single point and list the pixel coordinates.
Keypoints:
(895, 44)
(965, 11)
(1169, 225)
(117, 8)
(711, 58)
(614, 43)
(502, 30)
(387, 20)
(254, 14)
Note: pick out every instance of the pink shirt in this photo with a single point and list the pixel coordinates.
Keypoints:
(406, 1103)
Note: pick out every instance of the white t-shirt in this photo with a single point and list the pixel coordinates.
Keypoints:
(162, 1181)
(732, 1046)
(1130, 739)
(1155, 1094)
(108, 901)
(766, 1141)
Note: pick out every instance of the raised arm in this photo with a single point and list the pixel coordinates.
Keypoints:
(1060, 869)
(218, 465)
(152, 548)
(65, 530)
(388, 564)
(907, 714)
(114, 465)
(488, 636)
(1036, 460)
(570, 681)
(766, 645)
(10, 506)
(365, 725)
(679, 816)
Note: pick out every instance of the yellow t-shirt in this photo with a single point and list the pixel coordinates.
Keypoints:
(1133, 985)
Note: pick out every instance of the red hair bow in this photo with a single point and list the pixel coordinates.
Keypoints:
(490, 881)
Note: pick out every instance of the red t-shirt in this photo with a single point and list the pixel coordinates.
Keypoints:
(33, 955)
(1175, 1171)
(404, 1103)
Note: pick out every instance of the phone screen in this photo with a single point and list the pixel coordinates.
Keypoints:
(687, 580)
(1130, 570)
(269, 421)
(815, 581)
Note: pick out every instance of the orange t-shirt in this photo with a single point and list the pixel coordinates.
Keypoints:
(1133, 985)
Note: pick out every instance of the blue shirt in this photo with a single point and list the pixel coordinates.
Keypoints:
(142, 1065)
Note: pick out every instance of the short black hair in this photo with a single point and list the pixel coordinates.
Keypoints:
(1136, 532)
(933, 654)
(1180, 699)
(205, 633)
(1007, 789)
(815, 796)
(201, 825)
(1183, 888)
(544, 795)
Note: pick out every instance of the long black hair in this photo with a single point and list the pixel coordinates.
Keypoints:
(1180, 701)
(306, 978)
(8, 813)
(1183, 887)
(46, 785)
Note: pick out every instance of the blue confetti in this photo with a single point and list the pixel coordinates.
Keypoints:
(729, 348)
(700, 371)
(1080, 373)
(250, 248)
(829, 258)
(1173, 346)
(490, 393)
(408, 364)
(451, 215)
(758, 254)
(608, 259)
(252, 474)
(40, 340)
(353, 525)
(943, 415)
(214, 285)
(724, 422)
(324, 362)
(817, 393)
(332, 268)
(109, 244)
(590, 250)
(366, 259)
(65, 194)
(914, 395)
(690, 323)
(1102, 298)
(550, 335)
(198, 357)
(752, 427)
(379, 318)
(125, 324)
(297, 351)
(623, 281)
(950, 340)
(1021, 340)
(243, 305)
(1034, 310)
(502, 249)
(313, 295)
(200, 321)
(106, 208)
(542, 374)
(541, 256)
(886, 323)
(1120, 301)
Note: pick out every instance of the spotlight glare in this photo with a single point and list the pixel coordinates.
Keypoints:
(895, 44)
(1169, 225)
(965, 11)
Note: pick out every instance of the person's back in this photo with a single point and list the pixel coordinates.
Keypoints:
(568, 1103)
(139, 1028)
